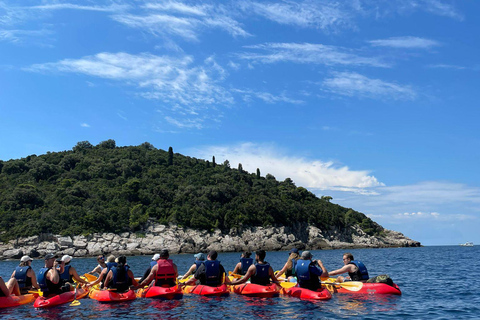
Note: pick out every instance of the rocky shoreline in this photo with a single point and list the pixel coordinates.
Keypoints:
(185, 240)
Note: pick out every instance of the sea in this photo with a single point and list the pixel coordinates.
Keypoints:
(437, 282)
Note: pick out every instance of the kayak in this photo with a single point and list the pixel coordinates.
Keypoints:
(207, 290)
(356, 287)
(66, 297)
(13, 301)
(302, 293)
(256, 290)
(167, 293)
(107, 296)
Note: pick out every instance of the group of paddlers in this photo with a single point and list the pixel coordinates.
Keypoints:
(58, 276)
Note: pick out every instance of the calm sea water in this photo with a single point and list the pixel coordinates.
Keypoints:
(436, 282)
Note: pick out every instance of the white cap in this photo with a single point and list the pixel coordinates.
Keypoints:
(25, 259)
(156, 257)
(66, 258)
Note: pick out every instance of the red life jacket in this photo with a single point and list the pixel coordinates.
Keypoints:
(165, 270)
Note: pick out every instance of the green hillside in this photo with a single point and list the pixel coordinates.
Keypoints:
(105, 188)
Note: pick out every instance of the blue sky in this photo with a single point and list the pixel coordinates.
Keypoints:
(374, 103)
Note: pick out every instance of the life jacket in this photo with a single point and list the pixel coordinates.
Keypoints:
(120, 284)
(65, 275)
(153, 263)
(21, 275)
(212, 273)
(165, 273)
(304, 276)
(246, 263)
(262, 275)
(291, 272)
(110, 265)
(46, 285)
(198, 263)
(361, 273)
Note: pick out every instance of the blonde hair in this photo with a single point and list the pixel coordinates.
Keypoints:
(111, 258)
(292, 256)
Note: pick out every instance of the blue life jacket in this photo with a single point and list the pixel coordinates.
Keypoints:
(110, 265)
(246, 263)
(21, 276)
(212, 270)
(153, 263)
(65, 275)
(361, 273)
(302, 269)
(198, 263)
(262, 275)
(120, 283)
(42, 280)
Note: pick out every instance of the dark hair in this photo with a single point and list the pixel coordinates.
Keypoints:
(213, 254)
(121, 272)
(261, 254)
(247, 254)
(348, 255)
(164, 253)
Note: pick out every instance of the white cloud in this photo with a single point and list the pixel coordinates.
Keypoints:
(265, 96)
(84, 125)
(446, 66)
(19, 36)
(442, 8)
(185, 123)
(354, 84)
(304, 172)
(308, 53)
(405, 43)
(71, 6)
(179, 7)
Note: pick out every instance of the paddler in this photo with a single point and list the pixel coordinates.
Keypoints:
(289, 267)
(355, 268)
(101, 265)
(245, 263)
(309, 272)
(155, 258)
(211, 272)
(9, 288)
(69, 273)
(48, 277)
(109, 265)
(199, 259)
(120, 277)
(25, 275)
(260, 273)
(164, 272)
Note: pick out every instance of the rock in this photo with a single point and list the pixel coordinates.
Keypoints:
(80, 253)
(79, 244)
(65, 242)
(52, 246)
(132, 246)
(13, 254)
(69, 251)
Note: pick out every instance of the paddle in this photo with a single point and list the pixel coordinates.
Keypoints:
(39, 292)
(287, 285)
(349, 285)
(75, 302)
(234, 275)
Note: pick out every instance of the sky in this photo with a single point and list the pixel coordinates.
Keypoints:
(374, 103)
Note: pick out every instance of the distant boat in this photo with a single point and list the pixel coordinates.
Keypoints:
(467, 244)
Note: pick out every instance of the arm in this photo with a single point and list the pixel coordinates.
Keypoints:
(75, 276)
(272, 276)
(197, 275)
(13, 274)
(134, 282)
(282, 271)
(237, 269)
(149, 278)
(342, 270)
(190, 271)
(53, 276)
(108, 278)
(33, 277)
(251, 270)
(324, 270)
(100, 277)
(97, 269)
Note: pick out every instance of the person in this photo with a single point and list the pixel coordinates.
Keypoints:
(48, 277)
(101, 265)
(164, 272)
(259, 273)
(309, 272)
(211, 272)
(199, 259)
(120, 277)
(9, 288)
(289, 267)
(245, 263)
(108, 266)
(69, 273)
(356, 270)
(25, 275)
(155, 258)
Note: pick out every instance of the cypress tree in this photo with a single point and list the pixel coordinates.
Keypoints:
(170, 156)
(258, 173)
(213, 161)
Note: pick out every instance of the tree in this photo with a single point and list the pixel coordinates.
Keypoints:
(170, 156)
(213, 161)
(82, 146)
(326, 198)
(240, 167)
(107, 144)
(258, 173)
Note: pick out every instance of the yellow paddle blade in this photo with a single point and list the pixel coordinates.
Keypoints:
(39, 292)
(349, 285)
(287, 285)
(234, 275)
(90, 277)
(75, 303)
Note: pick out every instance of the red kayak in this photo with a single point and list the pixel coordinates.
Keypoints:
(356, 287)
(302, 293)
(207, 290)
(66, 297)
(167, 293)
(256, 290)
(13, 301)
(109, 296)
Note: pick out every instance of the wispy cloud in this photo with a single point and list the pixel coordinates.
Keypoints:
(20, 36)
(70, 6)
(446, 66)
(308, 53)
(324, 175)
(405, 43)
(442, 8)
(185, 123)
(84, 125)
(266, 97)
(354, 84)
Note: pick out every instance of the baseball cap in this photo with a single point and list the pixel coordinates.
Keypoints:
(294, 250)
(25, 259)
(155, 257)
(49, 256)
(306, 255)
(66, 258)
(200, 256)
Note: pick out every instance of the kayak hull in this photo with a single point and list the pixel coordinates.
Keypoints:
(166, 293)
(367, 288)
(14, 301)
(256, 290)
(306, 294)
(59, 299)
(106, 296)
(207, 290)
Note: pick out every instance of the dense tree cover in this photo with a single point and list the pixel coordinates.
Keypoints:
(115, 189)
